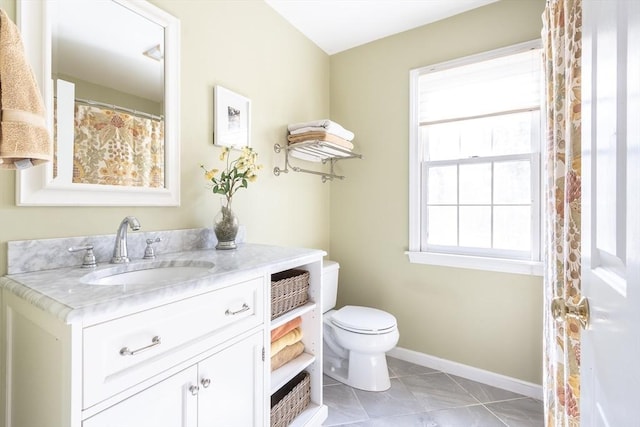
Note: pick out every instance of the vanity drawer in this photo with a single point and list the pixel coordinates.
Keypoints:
(123, 352)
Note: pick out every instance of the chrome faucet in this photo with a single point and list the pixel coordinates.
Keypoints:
(120, 247)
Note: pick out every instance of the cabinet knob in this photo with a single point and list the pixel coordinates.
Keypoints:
(206, 382)
(194, 389)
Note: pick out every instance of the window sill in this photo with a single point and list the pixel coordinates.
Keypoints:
(531, 268)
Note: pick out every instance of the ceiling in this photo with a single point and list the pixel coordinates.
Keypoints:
(334, 25)
(338, 25)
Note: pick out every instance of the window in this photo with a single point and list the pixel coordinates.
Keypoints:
(475, 162)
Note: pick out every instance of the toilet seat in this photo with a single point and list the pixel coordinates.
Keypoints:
(364, 320)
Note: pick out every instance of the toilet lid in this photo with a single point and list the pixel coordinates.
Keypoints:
(364, 320)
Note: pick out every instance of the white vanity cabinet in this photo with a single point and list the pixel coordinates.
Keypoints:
(193, 362)
(167, 404)
(192, 355)
(231, 385)
(223, 390)
(122, 352)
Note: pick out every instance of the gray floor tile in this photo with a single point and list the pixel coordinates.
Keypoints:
(400, 368)
(395, 401)
(327, 380)
(469, 416)
(437, 391)
(483, 392)
(343, 404)
(412, 420)
(422, 397)
(525, 412)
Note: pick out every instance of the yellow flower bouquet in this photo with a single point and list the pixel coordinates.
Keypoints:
(237, 174)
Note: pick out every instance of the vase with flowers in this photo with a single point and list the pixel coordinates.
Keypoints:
(237, 174)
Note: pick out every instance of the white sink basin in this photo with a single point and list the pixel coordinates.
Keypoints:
(154, 273)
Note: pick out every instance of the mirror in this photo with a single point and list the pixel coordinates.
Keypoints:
(109, 76)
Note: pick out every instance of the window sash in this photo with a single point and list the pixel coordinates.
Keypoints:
(477, 258)
(535, 192)
(534, 205)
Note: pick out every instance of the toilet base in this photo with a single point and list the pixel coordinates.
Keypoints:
(362, 371)
(368, 372)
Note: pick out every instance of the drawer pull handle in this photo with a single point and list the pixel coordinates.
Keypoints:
(245, 307)
(124, 351)
(206, 382)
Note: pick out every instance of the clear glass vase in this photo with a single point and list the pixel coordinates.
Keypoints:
(225, 226)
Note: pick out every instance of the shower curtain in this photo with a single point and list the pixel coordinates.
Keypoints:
(561, 34)
(116, 148)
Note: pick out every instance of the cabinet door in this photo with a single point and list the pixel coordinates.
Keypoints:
(232, 386)
(169, 403)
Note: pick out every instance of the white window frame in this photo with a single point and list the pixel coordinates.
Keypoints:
(482, 260)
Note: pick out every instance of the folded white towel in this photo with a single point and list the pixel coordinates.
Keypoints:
(322, 150)
(321, 126)
(316, 123)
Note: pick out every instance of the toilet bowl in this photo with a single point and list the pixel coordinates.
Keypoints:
(356, 339)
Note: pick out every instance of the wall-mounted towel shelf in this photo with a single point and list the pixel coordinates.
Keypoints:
(314, 151)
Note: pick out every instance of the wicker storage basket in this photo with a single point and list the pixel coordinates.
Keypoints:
(293, 403)
(289, 289)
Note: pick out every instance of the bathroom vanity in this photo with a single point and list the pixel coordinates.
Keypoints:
(179, 351)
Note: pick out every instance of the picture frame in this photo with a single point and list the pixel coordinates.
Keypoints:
(231, 118)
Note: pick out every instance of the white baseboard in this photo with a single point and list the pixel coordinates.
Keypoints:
(469, 372)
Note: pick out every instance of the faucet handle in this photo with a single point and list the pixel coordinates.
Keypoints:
(89, 260)
(148, 252)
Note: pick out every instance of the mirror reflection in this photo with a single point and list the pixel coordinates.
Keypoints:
(107, 68)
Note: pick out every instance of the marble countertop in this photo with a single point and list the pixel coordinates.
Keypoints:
(61, 292)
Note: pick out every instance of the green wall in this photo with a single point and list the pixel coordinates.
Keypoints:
(491, 321)
(247, 47)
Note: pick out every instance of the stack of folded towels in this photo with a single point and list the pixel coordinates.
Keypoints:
(336, 140)
(286, 343)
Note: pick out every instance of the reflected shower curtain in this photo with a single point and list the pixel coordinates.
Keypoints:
(116, 148)
(562, 39)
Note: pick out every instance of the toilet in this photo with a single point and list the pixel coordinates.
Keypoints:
(355, 338)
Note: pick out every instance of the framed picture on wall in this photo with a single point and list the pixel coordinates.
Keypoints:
(231, 118)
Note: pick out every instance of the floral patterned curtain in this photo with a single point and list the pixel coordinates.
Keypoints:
(562, 36)
(116, 148)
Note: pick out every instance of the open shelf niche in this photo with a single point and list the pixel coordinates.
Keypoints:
(310, 360)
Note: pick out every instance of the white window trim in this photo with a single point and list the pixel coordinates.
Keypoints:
(415, 254)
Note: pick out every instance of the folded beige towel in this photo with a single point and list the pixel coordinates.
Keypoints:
(286, 355)
(320, 136)
(282, 330)
(23, 132)
(289, 338)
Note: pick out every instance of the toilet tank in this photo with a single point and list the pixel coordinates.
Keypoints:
(329, 284)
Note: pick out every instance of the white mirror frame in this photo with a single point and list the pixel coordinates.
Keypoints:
(35, 186)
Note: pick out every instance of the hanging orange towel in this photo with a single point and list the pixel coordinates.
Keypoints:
(282, 330)
(24, 138)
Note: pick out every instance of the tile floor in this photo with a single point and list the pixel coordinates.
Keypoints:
(421, 396)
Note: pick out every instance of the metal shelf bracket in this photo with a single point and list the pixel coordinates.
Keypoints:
(318, 150)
